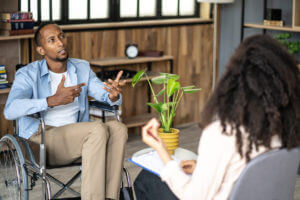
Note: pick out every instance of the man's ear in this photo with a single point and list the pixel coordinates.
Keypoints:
(40, 50)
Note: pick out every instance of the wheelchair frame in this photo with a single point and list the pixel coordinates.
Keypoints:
(29, 167)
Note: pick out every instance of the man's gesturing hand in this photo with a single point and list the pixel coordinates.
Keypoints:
(64, 95)
(114, 87)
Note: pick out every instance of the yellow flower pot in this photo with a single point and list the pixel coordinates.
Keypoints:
(171, 139)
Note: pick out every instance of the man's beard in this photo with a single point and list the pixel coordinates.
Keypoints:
(62, 59)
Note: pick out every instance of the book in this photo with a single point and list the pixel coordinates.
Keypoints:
(149, 160)
(17, 25)
(3, 71)
(3, 82)
(16, 15)
(3, 76)
(4, 86)
(2, 67)
(273, 22)
(16, 32)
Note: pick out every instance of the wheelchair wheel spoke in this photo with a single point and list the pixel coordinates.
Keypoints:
(11, 182)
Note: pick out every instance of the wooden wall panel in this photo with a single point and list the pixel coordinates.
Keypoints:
(191, 46)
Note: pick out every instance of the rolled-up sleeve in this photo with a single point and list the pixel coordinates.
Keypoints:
(96, 90)
(20, 102)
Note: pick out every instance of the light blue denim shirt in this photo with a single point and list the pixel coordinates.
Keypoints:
(31, 87)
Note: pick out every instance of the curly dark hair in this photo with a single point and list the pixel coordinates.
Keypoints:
(259, 91)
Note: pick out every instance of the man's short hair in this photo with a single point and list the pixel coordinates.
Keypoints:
(37, 35)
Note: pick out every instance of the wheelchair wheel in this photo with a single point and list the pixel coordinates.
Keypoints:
(13, 178)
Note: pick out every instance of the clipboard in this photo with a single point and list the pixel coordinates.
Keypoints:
(149, 160)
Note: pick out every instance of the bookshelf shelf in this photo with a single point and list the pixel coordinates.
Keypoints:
(16, 37)
(277, 28)
(4, 91)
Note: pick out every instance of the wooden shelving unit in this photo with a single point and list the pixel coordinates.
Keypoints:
(277, 28)
(294, 27)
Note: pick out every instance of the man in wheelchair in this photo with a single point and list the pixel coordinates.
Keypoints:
(58, 87)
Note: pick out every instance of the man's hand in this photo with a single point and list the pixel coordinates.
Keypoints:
(114, 87)
(64, 95)
(188, 166)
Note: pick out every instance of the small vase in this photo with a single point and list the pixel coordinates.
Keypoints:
(171, 139)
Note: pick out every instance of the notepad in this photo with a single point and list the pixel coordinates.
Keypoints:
(148, 159)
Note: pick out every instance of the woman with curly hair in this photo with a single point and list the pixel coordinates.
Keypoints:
(255, 108)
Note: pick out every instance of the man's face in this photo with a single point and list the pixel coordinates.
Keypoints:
(53, 43)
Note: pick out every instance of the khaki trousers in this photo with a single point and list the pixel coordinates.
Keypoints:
(101, 147)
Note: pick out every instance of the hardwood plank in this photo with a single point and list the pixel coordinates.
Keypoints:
(126, 61)
(135, 23)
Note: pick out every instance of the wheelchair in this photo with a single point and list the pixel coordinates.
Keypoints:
(19, 170)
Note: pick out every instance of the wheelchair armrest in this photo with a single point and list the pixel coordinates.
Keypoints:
(35, 115)
(103, 106)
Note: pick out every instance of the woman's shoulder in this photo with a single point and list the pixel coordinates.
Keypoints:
(215, 133)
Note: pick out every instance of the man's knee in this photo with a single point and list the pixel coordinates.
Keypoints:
(100, 130)
(118, 129)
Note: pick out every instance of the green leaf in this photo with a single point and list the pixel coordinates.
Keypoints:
(161, 92)
(170, 76)
(166, 106)
(173, 86)
(157, 107)
(188, 87)
(159, 80)
(137, 77)
(191, 90)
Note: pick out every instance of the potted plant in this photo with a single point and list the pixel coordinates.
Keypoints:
(165, 103)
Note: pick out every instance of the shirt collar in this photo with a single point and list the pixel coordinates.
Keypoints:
(44, 67)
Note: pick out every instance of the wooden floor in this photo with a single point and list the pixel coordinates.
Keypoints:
(189, 139)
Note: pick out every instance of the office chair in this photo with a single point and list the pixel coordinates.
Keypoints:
(271, 176)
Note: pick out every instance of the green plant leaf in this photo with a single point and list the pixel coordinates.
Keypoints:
(157, 107)
(166, 106)
(188, 87)
(161, 92)
(193, 90)
(173, 86)
(137, 77)
(159, 80)
(171, 76)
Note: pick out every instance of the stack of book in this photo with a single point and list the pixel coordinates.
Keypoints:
(273, 22)
(16, 23)
(3, 77)
(273, 17)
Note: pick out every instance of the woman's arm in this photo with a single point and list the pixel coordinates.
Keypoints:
(214, 154)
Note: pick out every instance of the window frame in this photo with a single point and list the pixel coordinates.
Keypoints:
(113, 13)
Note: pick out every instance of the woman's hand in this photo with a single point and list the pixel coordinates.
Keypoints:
(150, 135)
(188, 166)
(152, 139)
